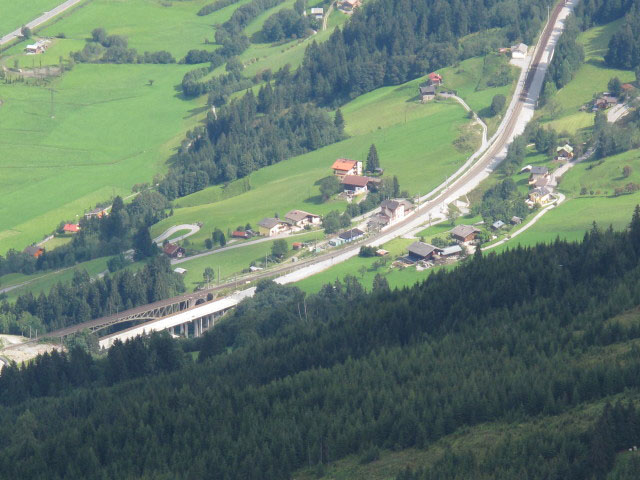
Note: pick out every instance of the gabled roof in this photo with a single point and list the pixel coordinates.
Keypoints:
(297, 215)
(344, 164)
(567, 148)
(350, 234)
(32, 250)
(542, 191)
(428, 90)
(421, 249)
(453, 249)
(390, 204)
(498, 224)
(270, 222)
(463, 230)
(71, 227)
(542, 182)
(521, 47)
(355, 180)
(317, 10)
(539, 170)
(434, 76)
(171, 248)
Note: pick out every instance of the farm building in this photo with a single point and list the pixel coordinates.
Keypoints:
(519, 51)
(272, 226)
(33, 250)
(427, 93)
(355, 184)
(240, 234)
(71, 228)
(421, 251)
(300, 218)
(351, 235)
(450, 251)
(435, 79)
(565, 152)
(343, 166)
(464, 233)
(173, 250)
(97, 212)
(537, 173)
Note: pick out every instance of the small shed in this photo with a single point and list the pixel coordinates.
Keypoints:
(516, 220)
(180, 271)
(497, 225)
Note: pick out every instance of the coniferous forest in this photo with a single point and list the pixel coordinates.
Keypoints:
(290, 381)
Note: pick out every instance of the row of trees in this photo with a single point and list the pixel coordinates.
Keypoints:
(292, 380)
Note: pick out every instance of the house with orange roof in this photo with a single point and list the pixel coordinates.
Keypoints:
(343, 166)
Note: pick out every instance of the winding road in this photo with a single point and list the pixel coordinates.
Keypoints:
(45, 17)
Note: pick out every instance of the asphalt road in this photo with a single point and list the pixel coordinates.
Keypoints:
(45, 17)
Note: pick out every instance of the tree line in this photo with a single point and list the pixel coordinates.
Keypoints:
(292, 380)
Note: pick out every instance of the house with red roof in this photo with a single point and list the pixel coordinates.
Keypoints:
(435, 79)
(344, 166)
(71, 228)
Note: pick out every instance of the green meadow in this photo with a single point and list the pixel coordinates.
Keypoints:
(14, 14)
(110, 129)
(590, 79)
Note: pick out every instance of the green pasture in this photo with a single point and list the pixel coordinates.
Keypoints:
(420, 153)
(150, 25)
(590, 79)
(232, 262)
(59, 48)
(110, 130)
(14, 14)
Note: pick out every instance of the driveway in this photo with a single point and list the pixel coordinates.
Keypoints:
(176, 228)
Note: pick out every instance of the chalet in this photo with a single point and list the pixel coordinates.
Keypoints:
(450, 251)
(435, 79)
(565, 152)
(497, 225)
(515, 220)
(355, 184)
(604, 102)
(464, 233)
(300, 218)
(540, 196)
(421, 251)
(395, 209)
(240, 234)
(519, 51)
(71, 228)
(427, 93)
(272, 226)
(351, 235)
(317, 12)
(173, 250)
(538, 172)
(343, 166)
(97, 212)
(34, 250)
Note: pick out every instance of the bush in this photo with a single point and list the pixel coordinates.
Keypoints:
(367, 251)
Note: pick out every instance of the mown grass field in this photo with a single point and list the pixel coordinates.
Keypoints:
(590, 79)
(110, 130)
(14, 14)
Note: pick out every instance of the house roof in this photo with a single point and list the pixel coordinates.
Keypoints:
(610, 99)
(428, 90)
(297, 215)
(238, 233)
(421, 249)
(350, 234)
(379, 218)
(270, 222)
(390, 204)
(521, 47)
(32, 250)
(542, 191)
(344, 164)
(453, 249)
(498, 224)
(542, 182)
(71, 227)
(180, 270)
(463, 230)
(434, 76)
(171, 248)
(516, 219)
(627, 86)
(538, 170)
(317, 10)
(567, 148)
(355, 180)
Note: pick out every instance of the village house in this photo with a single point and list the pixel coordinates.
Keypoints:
(173, 250)
(300, 218)
(272, 226)
(540, 196)
(419, 251)
(427, 93)
(71, 228)
(97, 212)
(435, 79)
(34, 250)
(317, 12)
(538, 172)
(519, 51)
(343, 166)
(604, 102)
(350, 5)
(449, 251)
(39, 47)
(390, 211)
(497, 225)
(351, 235)
(464, 233)
(355, 184)
(564, 153)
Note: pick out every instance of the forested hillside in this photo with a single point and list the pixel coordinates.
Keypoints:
(288, 382)
(385, 43)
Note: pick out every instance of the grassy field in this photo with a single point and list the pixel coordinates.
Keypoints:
(15, 14)
(110, 130)
(590, 79)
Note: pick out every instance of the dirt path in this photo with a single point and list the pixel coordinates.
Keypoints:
(176, 228)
